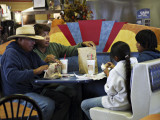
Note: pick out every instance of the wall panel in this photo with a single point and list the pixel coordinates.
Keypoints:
(124, 10)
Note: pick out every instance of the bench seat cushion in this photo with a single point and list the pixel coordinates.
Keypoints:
(98, 113)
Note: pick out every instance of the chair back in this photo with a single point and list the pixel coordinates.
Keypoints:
(11, 111)
(145, 91)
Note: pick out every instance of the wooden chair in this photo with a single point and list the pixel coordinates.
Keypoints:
(11, 108)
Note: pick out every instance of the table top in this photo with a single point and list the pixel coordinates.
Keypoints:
(71, 79)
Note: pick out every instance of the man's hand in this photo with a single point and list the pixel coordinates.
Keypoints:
(49, 58)
(58, 61)
(88, 44)
(40, 69)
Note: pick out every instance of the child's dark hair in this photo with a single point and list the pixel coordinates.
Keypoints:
(147, 39)
(40, 28)
(122, 51)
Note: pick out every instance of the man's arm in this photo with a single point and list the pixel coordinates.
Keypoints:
(13, 69)
(72, 50)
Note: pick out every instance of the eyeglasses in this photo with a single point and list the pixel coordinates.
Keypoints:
(45, 34)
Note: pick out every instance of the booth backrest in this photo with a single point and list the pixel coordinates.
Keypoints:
(0, 78)
(101, 58)
(74, 66)
(145, 94)
(0, 83)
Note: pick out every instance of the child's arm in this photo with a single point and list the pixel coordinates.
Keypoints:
(106, 71)
(109, 66)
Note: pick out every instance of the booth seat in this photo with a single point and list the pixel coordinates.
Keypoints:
(145, 94)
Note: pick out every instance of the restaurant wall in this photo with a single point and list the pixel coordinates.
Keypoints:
(119, 10)
(124, 10)
(20, 6)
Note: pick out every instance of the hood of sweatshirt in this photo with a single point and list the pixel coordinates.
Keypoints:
(148, 55)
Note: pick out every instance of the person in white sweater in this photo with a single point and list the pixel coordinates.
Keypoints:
(117, 87)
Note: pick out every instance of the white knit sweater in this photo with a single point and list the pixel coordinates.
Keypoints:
(116, 98)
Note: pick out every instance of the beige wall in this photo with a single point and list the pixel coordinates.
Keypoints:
(20, 6)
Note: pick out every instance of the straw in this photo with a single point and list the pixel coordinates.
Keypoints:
(91, 56)
(65, 56)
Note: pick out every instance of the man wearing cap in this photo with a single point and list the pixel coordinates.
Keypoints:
(20, 66)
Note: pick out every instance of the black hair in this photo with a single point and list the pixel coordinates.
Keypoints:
(122, 51)
(147, 39)
(39, 28)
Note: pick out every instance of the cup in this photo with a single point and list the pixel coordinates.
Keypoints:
(91, 66)
(64, 66)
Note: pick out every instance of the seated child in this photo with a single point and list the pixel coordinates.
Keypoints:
(117, 87)
(146, 45)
